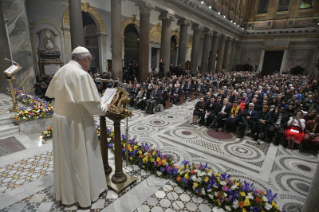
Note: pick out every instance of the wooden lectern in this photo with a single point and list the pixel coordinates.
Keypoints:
(116, 179)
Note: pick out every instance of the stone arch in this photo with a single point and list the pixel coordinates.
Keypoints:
(190, 42)
(176, 34)
(156, 33)
(86, 7)
(132, 20)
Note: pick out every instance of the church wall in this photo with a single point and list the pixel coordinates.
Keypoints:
(250, 53)
(18, 27)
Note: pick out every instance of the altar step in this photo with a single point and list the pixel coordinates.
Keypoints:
(6, 119)
(7, 125)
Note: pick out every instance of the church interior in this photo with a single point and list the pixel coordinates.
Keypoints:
(225, 46)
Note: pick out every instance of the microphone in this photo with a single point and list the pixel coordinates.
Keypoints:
(11, 61)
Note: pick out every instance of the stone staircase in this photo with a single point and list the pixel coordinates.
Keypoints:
(7, 125)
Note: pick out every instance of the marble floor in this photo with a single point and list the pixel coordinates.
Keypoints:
(26, 177)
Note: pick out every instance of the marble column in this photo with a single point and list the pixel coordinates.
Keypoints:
(206, 49)
(284, 61)
(232, 56)
(76, 23)
(221, 50)
(237, 54)
(166, 19)
(227, 54)
(144, 45)
(213, 52)
(5, 51)
(261, 61)
(183, 38)
(116, 25)
(311, 203)
(195, 47)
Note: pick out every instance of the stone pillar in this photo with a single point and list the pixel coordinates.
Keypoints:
(195, 47)
(237, 54)
(311, 203)
(261, 61)
(144, 45)
(213, 52)
(102, 52)
(5, 51)
(227, 54)
(158, 54)
(232, 56)
(166, 19)
(284, 61)
(206, 48)
(76, 23)
(116, 25)
(221, 50)
(183, 38)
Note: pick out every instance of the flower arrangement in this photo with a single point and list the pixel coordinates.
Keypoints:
(47, 134)
(34, 112)
(221, 190)
(38, 108)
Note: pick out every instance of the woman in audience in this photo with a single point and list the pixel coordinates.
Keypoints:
(311, 137)
(273, 104)
(233, 118)
(295, 131)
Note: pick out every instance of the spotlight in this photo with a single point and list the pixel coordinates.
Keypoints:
(224, 16)
(210, 7)
(231, 21)
(202, 2)
(218, 13)
(242, 28)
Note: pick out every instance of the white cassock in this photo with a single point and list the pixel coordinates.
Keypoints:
(78, 167)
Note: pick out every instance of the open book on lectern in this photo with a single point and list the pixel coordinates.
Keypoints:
(108, 96)
(12, 70)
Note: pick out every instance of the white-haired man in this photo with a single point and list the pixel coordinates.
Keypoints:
(78, 168)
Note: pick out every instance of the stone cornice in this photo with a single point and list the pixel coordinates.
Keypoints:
(166, 16)
(145, 8)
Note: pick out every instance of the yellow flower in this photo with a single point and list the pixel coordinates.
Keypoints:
(152, 160)
(154, 153)
(274, 205)
(186, 176)
(187, 166)
(243, 210)
(140, 152)
(135, 147)
(243, 194)
(217, 174)
(158, 159)
(145, 159)
(237, 184)
(26, 111)
(131, 158)
(195, 184)
(219, 203)
(247, 202)
(206, 179)
(208, 170)
(164, 162)
(181, 168)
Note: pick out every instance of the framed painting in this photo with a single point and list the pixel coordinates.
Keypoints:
(262, 6)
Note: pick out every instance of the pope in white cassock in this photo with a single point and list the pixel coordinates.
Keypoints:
(78, 168)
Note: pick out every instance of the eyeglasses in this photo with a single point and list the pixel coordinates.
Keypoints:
(90, 59)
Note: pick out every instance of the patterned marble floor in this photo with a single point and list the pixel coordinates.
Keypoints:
(6, 103)
(287, 172)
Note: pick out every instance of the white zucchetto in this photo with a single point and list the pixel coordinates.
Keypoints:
(79, 50)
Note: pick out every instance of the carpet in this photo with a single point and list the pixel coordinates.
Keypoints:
(10, 145)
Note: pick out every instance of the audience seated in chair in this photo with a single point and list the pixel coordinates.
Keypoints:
(199, 111)
(278, 124)
(262, 123)
(233, 117)
(311, 136)
(248, 119)
(295, 131)
(223, 113)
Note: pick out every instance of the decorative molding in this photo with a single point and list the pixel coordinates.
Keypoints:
(86, 7)
(132, 20)
(156, 33)
(145, 8)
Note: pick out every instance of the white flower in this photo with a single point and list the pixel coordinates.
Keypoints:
(23, 117)
(227, 208)
(210, 174)
(203, 191)
(235, 204)
(209, 190)
(223, 183)
(186, 170)
(234, 187)
(265, 199)
(215, 185)
(225, 194)
(216, 194)
(182, 172)
(194, 178)
(268, 206)
(216, 209)
(211, 196)
(250, 196)
(159, 173)
(202, 174)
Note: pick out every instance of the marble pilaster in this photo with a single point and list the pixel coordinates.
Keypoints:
(76, 23)
(195, 47)
(206, 48)
(311, 203)
(183, 38)
(166, 19)
(116, 25)
(284, 61)
(213, 52)
(261, 61)
(221, 50)
(232, 56)
(228, 49)
(19, 36)
(144, 46)
(5, 51)
(237, 54)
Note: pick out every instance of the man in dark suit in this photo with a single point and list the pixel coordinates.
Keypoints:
(248, 118)
(133, 94)
(176, 94)
(210, 111)
(223, 113)
(278, 123)
(188, 89)
(234, 97)
(155, 95)
(163, 98)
